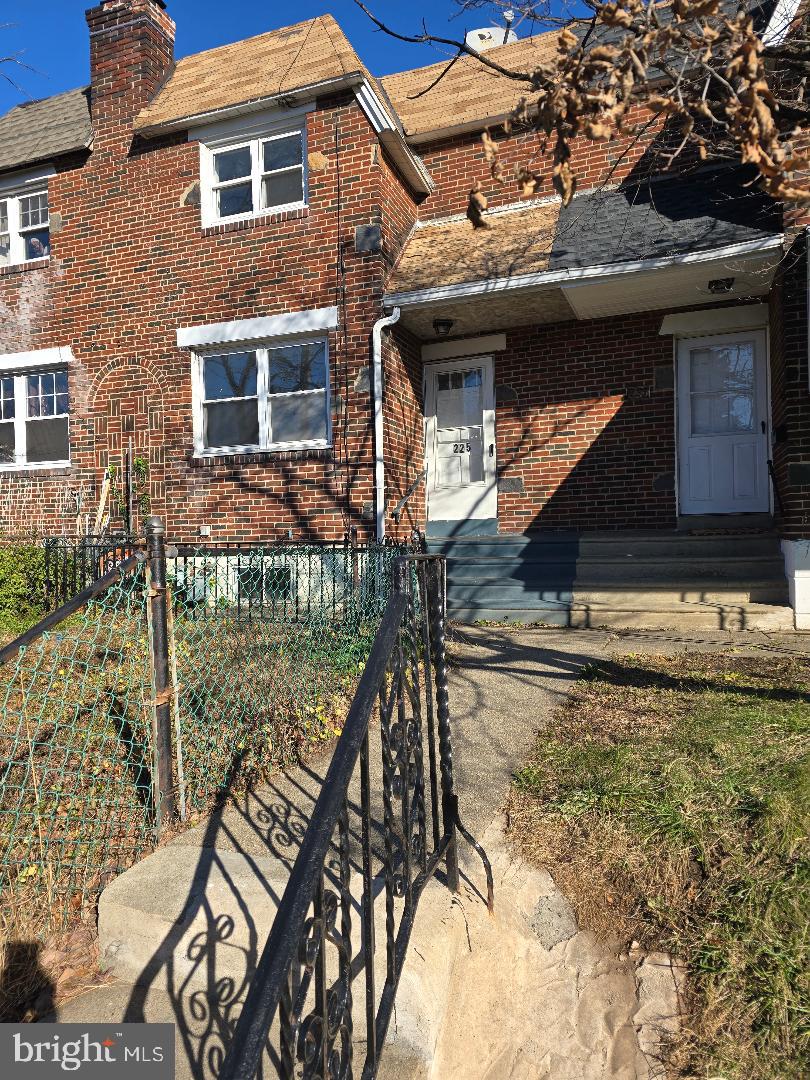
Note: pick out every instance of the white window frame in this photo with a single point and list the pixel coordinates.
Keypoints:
(12, 190)
(21, 417)
(224, 137)
(265, 399)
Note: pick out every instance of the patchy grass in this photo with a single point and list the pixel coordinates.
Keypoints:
(670, 798)
(76, 748)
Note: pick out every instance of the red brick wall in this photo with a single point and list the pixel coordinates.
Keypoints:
(457, 163)
(131, 53)
(398, 212)
(587, 433)
(580, 422)
(789, 389)
(404, 437)
(132, 264)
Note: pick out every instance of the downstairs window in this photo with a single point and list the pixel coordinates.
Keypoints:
(269, 397)
(34, 419)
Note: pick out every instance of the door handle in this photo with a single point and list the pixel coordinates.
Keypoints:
(492, 449)
(764, 427)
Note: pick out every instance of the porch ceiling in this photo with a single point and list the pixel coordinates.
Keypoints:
(673, 286)
(481, 314)
(601, 293)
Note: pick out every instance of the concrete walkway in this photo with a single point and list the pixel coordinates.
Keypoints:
(183, 930)
(506, 682)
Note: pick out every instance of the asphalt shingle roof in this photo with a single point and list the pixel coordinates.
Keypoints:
(452, 252)
(658, 218)
(260, 67)
(654, 219)
(43, 130)
(468, 92)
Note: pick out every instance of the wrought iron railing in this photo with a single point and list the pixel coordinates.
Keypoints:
(74, 563)
(299, 1011)
(396, 513)
(776, 490)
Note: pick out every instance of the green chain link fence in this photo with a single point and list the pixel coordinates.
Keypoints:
(265, 645)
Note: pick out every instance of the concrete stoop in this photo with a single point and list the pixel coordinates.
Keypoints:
(622, 580)
(521, 994)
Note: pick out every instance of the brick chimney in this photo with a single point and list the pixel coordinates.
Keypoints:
(131, 55)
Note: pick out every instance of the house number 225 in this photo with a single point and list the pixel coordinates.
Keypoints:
(461, 448)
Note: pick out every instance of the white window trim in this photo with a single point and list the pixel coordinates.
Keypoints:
(12, 189)
(234, 135)
(264, 446)
(780, 22)
(259, 330)
(39, 358)
(29, 363)
(714, 321)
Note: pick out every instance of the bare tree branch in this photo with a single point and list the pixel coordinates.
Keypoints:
(699, 68)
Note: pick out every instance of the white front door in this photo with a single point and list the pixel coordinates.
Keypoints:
(460, 440)
(723, 424)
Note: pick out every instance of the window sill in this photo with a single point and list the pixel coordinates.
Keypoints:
(21, 268)
(269, 217)
(44, 466)
(261, 457)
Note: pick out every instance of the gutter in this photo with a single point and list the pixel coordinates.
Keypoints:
(379, 461)
(578, 274)
(283, 99)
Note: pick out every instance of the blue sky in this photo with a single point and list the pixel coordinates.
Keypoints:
(51, 35)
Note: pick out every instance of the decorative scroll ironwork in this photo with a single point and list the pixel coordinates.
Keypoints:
(384, 823)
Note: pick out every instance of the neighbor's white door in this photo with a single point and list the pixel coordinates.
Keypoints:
(723, 424)
(460, 440)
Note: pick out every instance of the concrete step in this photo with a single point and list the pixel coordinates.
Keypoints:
(629, 595)
(644, 616)
(181, 906)
(182, 932)
(630, 571)
(611, 545)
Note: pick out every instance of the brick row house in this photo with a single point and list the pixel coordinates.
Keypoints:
(254, 268)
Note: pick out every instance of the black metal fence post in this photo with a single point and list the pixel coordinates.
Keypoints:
(159, 648)
(435, 592)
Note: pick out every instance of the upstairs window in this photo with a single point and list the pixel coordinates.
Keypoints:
(34, 419)
(246, 179)
(273, 397)
(24, 227)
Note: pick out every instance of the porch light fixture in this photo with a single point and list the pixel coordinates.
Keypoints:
(442, 327)
(721, 285)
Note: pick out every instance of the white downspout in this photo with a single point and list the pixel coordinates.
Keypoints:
(379, 462)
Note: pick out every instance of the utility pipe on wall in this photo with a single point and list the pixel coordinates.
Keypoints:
(379, 462)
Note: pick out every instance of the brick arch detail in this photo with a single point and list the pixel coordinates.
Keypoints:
(116, 365)
(127, 403)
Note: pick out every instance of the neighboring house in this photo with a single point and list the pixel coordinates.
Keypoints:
(255, 268)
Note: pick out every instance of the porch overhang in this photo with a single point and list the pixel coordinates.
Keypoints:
(733, 272)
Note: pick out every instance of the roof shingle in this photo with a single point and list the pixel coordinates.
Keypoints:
(452, 252)
(43, 130)
(654, 219)
(469, 92)
(252, 70)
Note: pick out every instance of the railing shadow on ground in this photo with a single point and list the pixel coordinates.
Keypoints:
(205, 998)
